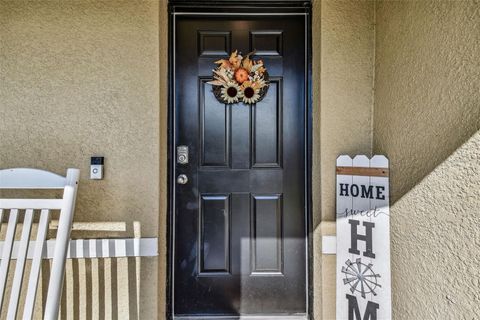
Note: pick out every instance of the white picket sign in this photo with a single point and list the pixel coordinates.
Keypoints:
(363, 238)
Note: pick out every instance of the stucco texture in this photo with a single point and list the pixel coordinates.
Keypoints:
(427, 88)
(81, 78)
(426, 120)
(436, 241)
(342, 102)
(345, 53)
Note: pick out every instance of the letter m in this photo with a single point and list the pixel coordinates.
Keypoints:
(354, 312)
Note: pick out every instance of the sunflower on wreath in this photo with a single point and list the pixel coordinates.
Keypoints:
(239, 79)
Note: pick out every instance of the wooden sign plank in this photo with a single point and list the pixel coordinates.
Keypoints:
(363, 238)
(361, 171)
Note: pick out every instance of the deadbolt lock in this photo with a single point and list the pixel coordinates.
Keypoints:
(182, 154)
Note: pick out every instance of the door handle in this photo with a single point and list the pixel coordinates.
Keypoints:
(182, 179)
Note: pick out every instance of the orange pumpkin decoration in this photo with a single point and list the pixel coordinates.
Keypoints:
(241, 75)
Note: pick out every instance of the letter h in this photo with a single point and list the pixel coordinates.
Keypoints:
(367, 237)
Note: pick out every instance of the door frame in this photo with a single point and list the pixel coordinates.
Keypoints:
(238, 8)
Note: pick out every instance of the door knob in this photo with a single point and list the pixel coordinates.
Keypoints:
(182, 179)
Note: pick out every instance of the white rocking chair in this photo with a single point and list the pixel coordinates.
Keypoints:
(35, 179)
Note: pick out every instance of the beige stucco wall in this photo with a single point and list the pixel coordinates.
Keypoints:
(436, 241)
(427, 104)
(82, 78)
(343, 55)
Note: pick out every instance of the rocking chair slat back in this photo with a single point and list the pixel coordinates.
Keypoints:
(20, 265)
(36, 264)
(25, 211)
(7, 252)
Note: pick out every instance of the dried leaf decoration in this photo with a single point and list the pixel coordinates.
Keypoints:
(239, 78)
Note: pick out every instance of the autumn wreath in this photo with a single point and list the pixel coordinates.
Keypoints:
(239, 79)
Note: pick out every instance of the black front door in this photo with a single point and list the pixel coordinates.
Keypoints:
(239, 224)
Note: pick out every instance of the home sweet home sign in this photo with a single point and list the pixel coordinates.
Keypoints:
(363, 238)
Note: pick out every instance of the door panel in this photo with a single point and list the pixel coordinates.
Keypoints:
(239, 225)
(214, 234)
(267, 235)
(267, 128)
(214, 138)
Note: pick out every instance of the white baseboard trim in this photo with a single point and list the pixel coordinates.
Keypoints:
(97, 248)
(329, 244)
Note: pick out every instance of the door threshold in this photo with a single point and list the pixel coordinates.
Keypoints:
(245, 317)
